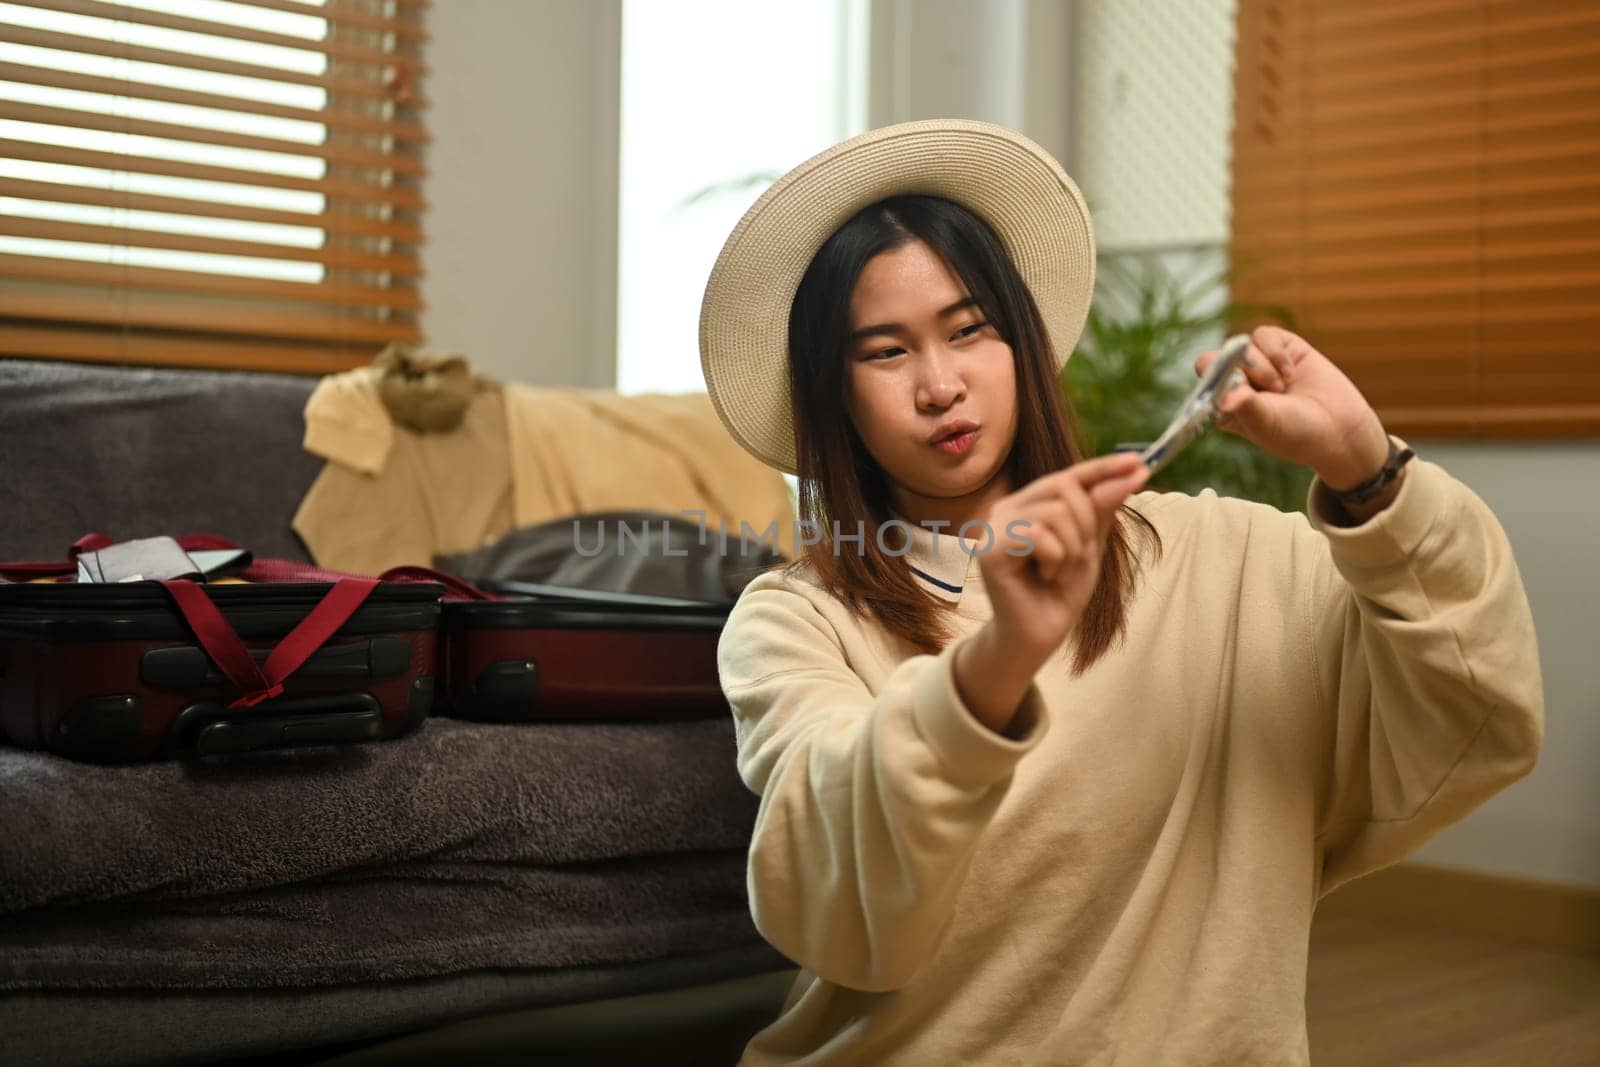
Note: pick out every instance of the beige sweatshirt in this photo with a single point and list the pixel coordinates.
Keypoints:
(1132, 879)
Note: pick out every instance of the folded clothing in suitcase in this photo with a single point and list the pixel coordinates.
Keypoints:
(547, 654)
(149, 670)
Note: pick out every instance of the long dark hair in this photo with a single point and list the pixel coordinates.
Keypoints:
(841, 482)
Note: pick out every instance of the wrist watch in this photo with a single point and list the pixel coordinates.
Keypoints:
(1398, 457)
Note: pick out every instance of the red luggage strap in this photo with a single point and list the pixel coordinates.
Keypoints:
(264, 682)
(221, 642)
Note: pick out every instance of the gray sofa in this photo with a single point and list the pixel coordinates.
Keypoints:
(135, 452)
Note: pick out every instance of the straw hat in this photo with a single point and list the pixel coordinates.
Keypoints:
(1002, 177)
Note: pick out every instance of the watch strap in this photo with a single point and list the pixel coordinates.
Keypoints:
(1398, 457)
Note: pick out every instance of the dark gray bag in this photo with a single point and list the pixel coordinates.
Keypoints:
(644, 552)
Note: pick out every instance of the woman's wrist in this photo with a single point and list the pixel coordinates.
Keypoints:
(1359, 492)
(992, 676)
(1364, 456)
(1359, 512)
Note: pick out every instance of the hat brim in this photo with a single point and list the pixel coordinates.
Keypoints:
(1010, 182)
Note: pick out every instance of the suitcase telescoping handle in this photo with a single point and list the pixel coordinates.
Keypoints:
(263, 681)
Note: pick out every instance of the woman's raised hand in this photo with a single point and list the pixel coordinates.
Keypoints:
(1039, 592)
(1301, 407)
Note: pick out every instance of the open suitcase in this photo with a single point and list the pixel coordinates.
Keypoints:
(130, 672)
(299, 656)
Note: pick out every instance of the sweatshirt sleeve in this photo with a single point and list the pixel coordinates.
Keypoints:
(871, 806)
(1424, 652)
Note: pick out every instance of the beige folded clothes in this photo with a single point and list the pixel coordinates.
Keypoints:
(520, 455)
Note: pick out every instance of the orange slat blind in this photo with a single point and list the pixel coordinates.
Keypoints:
(1418, 181)
(225, 183)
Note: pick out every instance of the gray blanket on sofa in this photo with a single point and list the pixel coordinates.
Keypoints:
(461, 847)
(133, 452)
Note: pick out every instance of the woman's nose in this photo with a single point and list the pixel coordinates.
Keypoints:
(940, 383)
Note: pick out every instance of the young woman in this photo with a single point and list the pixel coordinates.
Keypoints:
(1054, 769)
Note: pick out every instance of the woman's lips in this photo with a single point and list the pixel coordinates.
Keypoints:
(957, 444)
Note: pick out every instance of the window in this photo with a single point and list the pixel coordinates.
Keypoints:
(210, 183)
(1419, 182)
(718, 98)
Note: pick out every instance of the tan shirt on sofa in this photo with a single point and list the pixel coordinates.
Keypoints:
(522, 455)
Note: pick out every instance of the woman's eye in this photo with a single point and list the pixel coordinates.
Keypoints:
(968, 331)
(885, 352)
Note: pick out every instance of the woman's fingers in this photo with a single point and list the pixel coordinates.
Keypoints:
(1069, 514)
(1284, 348)
(1081, 519)
(1049, 552)
(1084, 473)
(1109, 495)
(1082, 510)
(1270, 361)
(1096, 505)
(1094, 488)
(1087, 472)
(1264, 373)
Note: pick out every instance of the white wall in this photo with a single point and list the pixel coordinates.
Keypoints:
(520, 258)
(1152, 86)
(997, 61)
(1548, 825)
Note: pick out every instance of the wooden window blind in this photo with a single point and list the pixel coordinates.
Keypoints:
(1418, 182)
(224, 183)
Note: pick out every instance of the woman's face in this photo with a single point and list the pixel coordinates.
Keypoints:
(922, 355)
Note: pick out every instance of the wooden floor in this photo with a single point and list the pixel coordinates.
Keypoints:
(1382, 995)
